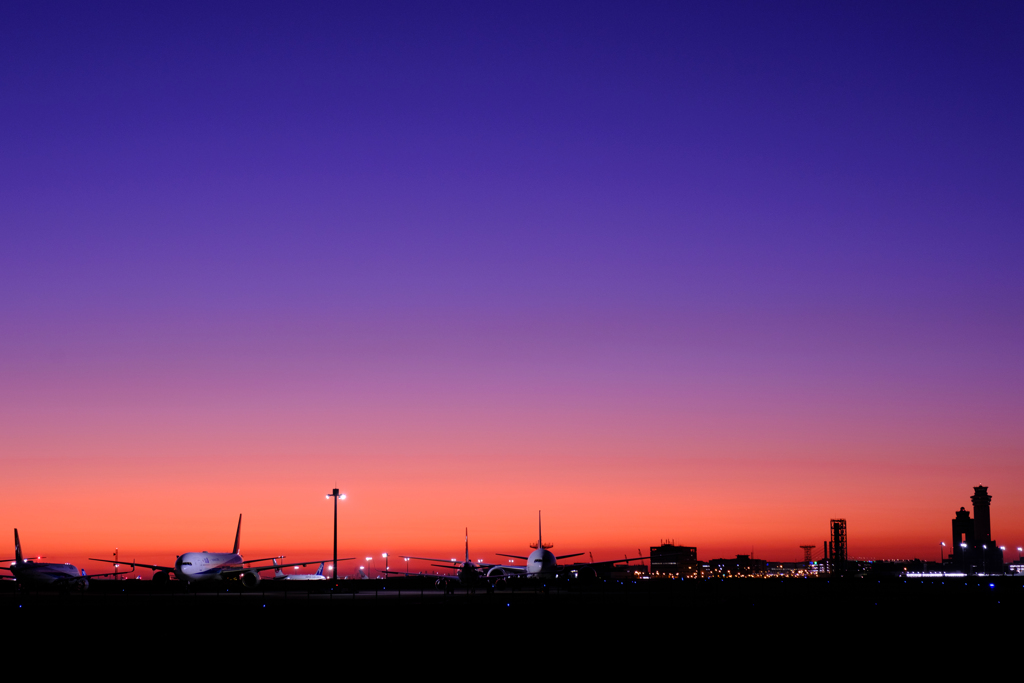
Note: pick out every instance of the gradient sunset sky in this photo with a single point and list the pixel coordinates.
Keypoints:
(713, 272)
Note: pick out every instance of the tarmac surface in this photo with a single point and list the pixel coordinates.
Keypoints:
(725, 623)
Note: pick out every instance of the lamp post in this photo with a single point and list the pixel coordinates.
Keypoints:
(942, 553)
(385, 556)
(963, 553)
(1018, 554)
(335, 495)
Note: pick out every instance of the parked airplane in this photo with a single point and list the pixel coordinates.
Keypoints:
(48, 574)
(279, 575)
(205, 566)
(543, 564)
(467, 573)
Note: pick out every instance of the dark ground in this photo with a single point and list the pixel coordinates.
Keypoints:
(863, 626)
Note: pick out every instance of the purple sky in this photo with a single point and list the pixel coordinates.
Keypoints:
(797, 224)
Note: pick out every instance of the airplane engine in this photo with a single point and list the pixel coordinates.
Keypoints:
(81, 584)
(497, 571)
(160, 578)
(250, 579)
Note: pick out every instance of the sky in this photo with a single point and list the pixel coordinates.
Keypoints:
(714, 273)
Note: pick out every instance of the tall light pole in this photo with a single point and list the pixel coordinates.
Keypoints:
(942, 553)
(335, 495)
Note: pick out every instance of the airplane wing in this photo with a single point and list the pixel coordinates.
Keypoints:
(517, 557)
(425, 559)
(230, 571)
(625, 559)
(511, 570)
(562, 557)
(264, 559)
(115, 573)
(155, 567)
(428, 576)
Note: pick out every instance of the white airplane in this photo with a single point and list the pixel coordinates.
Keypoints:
(543, 564)
(64, 576)
(205, 566)
(279, 575)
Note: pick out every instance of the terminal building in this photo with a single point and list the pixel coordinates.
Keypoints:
(674, 561)
(743, 565)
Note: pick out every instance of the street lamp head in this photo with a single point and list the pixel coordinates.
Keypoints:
(963, 545)
(383, 554)
(343, 496)
(368, 559)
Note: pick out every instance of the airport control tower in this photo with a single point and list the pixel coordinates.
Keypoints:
(982, 520)
(973, 547)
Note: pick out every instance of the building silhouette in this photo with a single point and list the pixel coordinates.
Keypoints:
(837, 552)
(673, 560)
(974, 550)
(743, 565)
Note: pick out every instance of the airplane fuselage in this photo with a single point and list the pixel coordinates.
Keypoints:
(47, 573)
(541, 564)
(301, 577)
(205, 566)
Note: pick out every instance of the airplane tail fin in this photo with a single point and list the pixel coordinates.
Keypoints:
(277, 570)
(17, 548)
(238, 535)
(540, 536)
(320, 572)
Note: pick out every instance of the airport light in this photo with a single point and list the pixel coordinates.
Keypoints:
(335, 495)
(385, 556)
